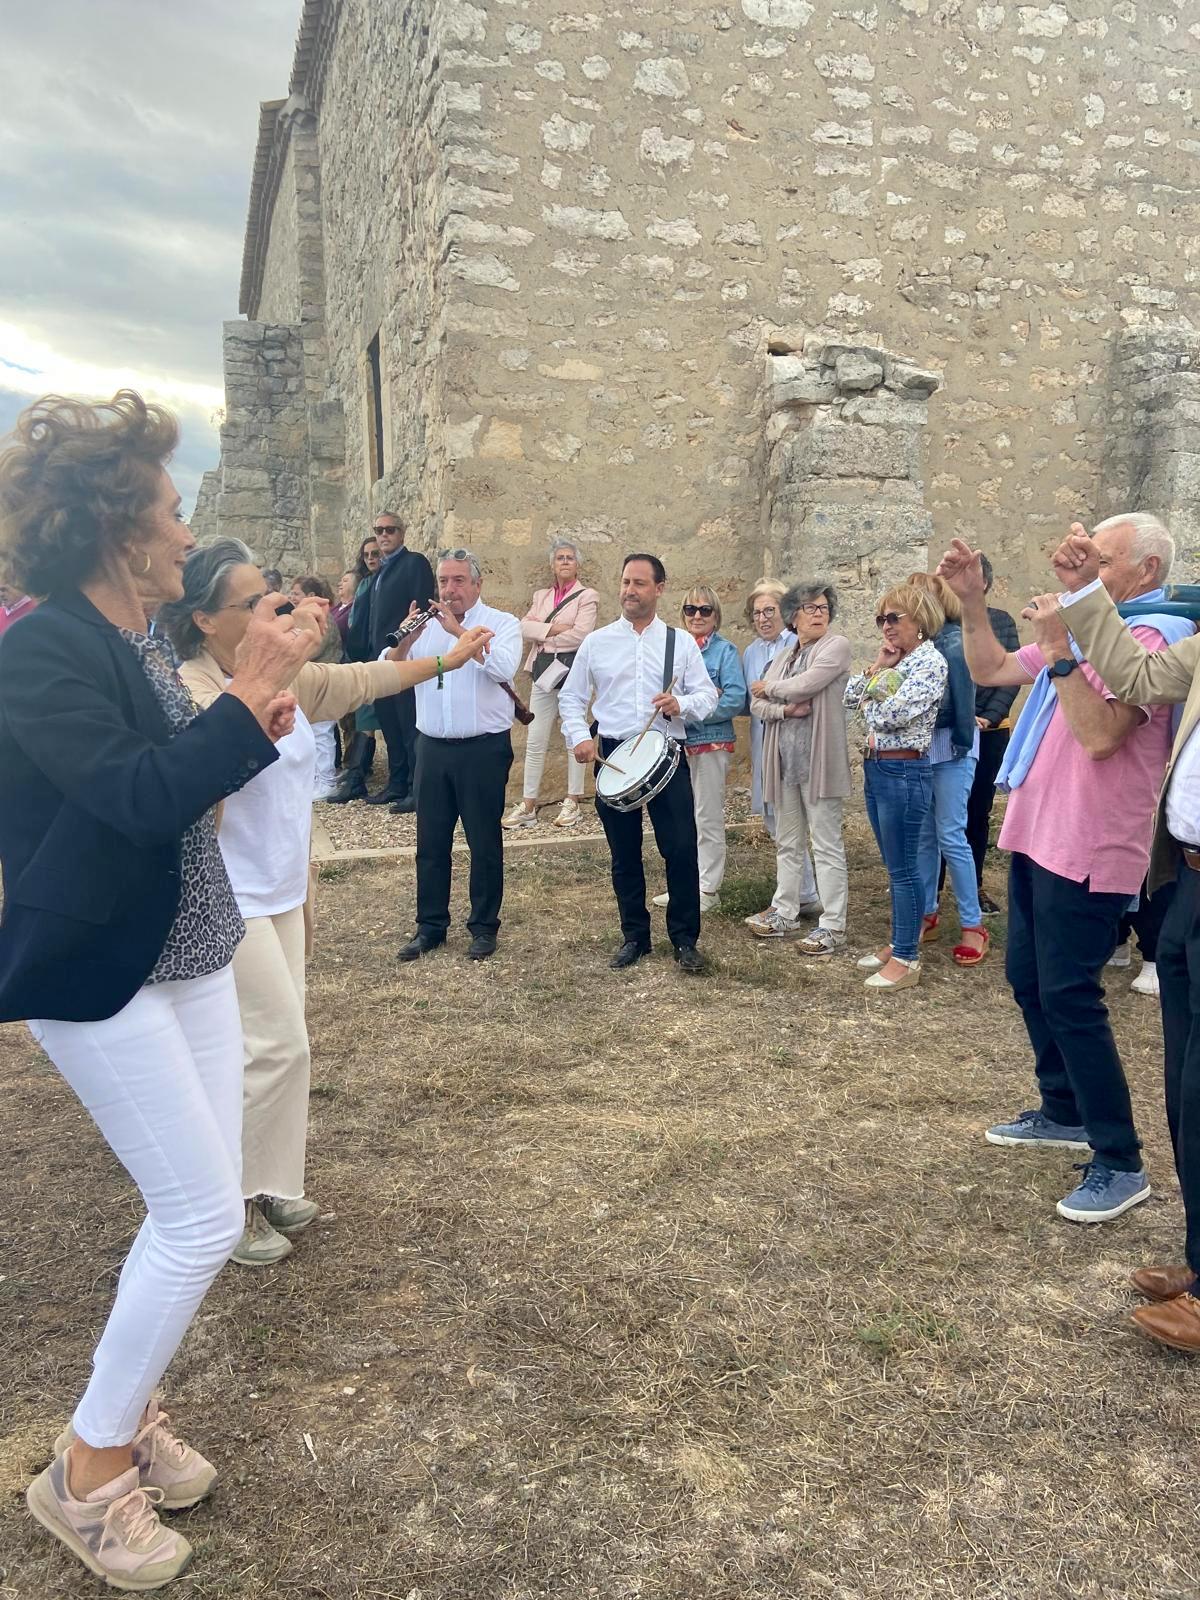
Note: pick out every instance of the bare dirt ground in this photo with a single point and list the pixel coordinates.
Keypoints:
(631, 1285)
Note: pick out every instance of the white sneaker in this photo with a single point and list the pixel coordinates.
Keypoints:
(760, 919)
(709, 902)
(1146, 981)
(568, 814)
(1122, 956)
(661, 900)
(520, 817)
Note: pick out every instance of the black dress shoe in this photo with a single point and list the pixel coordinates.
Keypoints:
(385, 797)
(420, 944)
(689, 958)
(403, 806)
(481, 947)
(629, 952)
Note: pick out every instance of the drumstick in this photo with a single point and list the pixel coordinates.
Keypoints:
(653, 714)
(601, 762)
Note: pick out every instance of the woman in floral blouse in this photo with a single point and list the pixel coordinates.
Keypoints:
(900, 695)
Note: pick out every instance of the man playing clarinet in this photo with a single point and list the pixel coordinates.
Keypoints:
(643, 673)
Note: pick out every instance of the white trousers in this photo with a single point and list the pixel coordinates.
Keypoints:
(269, 969)
(325, 776)
(798, 818)
(708, 772)
(163, 1082)
(544, 705)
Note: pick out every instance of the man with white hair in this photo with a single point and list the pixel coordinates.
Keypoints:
(1168, 677)
(1083, 773)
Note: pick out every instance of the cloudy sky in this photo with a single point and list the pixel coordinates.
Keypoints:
(127, 132)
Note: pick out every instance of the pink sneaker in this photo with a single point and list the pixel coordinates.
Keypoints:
(115, 1532)
(164, 1462)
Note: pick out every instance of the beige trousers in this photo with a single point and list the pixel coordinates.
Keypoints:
(708, 799)
(544, 705)
(269, 972)
(798, 815)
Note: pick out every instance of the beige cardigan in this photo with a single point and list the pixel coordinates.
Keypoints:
(579, 614)
(1142, 677)
(823, 682)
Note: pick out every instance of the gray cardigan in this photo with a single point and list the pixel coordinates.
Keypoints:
(823, 682)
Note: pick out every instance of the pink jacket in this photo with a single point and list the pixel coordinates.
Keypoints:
(579, 616)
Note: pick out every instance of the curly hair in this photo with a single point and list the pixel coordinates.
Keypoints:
(314, 585)
(75, 480)
(803, 594)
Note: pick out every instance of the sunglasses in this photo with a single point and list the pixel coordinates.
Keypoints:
(697, 611)
(889, 619)
(391, 528)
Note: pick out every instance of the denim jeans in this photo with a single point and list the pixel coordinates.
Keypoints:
(945, 834)
(899, 798)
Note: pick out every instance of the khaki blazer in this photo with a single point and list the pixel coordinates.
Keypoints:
(824, 683)
(1142, 677)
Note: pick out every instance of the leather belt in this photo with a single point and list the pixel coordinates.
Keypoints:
(892, 755)
(1191, 856)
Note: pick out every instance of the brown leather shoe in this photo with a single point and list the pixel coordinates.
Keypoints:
(1162, 1283)
(1173, 1322)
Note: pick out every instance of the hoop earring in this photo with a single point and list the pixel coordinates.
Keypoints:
(145, 570)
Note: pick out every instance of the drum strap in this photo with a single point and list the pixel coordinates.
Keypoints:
(669, 660)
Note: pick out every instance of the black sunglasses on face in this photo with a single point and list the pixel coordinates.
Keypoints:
(697, 611)
(889, 619)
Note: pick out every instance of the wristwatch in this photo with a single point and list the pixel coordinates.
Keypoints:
(1064, 668)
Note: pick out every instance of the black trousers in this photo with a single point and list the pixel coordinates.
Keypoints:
(1060, 935)
(1179, 986)
(397, 715)
(1147, 921)
(993, 742)
(460, 778)
(673, 818)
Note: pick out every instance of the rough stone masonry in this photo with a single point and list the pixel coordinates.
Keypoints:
(766, 285)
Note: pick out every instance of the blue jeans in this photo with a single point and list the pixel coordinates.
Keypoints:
(899, 798)
(945, 834)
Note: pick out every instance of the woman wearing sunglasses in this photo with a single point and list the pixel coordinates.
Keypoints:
(806, 767)
(900, 695)
(711, 743)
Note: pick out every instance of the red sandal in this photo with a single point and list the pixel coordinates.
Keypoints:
(929, 928)
(966, 955)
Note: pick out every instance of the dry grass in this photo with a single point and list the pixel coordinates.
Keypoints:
(638, 1286)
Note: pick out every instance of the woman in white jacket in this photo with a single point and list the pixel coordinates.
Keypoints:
(559, 619)
(264, 832)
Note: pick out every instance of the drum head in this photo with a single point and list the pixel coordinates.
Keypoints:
(635, 765)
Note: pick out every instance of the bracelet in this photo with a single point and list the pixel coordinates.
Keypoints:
(441, 671)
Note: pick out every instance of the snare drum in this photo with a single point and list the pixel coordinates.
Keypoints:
(635, 776)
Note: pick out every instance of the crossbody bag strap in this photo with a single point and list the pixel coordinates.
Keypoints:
(553, 612)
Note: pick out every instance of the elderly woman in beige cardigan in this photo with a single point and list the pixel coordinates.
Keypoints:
(806, 765)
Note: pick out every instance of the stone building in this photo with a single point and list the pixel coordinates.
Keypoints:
(782, 285)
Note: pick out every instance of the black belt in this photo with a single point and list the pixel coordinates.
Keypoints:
(471, 738)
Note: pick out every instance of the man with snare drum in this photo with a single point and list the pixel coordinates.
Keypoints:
(643, 676)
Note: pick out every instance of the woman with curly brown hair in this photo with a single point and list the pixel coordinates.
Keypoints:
(119, 925)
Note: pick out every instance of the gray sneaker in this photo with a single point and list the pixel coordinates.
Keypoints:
(1032, 1127)
(1103, 1193)
(289, 1216)
(260, 1244)
(115, 1531)
(822, 942)
(774, 926)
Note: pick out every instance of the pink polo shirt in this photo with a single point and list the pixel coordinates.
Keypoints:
(1085, 819)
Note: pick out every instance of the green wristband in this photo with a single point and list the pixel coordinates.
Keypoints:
(441, 671)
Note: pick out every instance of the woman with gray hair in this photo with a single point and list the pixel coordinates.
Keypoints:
(559, 619)
(806, 766)
(264, 831)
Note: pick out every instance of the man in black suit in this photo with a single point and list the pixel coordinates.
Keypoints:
(405, 576)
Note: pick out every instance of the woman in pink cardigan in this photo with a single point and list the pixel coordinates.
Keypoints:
(556, 624)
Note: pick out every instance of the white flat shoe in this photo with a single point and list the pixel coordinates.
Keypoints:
(907, 980)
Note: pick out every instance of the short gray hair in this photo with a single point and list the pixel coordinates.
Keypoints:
(205, 575)
(461, 554)
(566, 544)
(803, 594)
(1151, 537)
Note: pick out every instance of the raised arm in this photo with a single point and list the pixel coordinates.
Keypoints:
(988, 661)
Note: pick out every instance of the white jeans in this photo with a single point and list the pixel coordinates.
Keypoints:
(325, 776)
(708, 772)
(798, 818)
(269, 969)
(163, 1082)
(544, 705)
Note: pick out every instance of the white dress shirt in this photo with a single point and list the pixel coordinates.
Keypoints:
(470, 701)
(624, 670)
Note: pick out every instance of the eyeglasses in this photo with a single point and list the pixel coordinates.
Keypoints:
(818, 610)
(765, 614)
(697, 611)
(243, 605)
(889, 619)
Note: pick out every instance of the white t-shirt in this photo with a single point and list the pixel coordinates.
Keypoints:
(266, 828)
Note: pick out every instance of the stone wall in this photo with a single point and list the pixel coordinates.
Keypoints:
(582, 237)
(279, 299)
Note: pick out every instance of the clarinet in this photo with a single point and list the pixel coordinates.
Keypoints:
(409, 626)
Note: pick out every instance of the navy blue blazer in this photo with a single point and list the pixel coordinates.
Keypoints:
(95, 796)
(405, 577)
